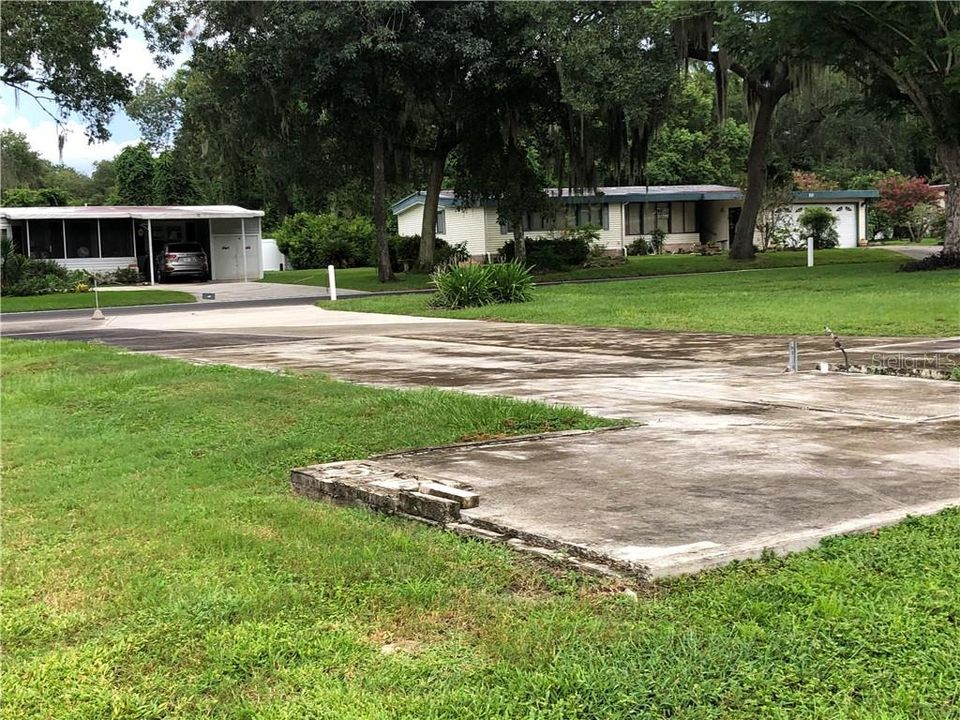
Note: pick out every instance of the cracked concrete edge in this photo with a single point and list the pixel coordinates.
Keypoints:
(378, 495)
(493, 442)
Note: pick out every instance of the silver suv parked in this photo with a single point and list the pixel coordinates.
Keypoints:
(178, 259)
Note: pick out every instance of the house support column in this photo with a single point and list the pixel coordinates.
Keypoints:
(243, 245)
(27, 223)
(210, 236)
(64, 225)
(99, 241)
(150, 251)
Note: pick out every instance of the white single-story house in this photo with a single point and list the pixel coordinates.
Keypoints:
(689, 215)
(105, 238)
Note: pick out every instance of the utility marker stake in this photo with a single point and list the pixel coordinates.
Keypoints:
(332, 282)
(809, 252)
(792, 364)
(98, 313)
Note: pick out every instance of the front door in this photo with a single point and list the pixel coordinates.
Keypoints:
(733, 217)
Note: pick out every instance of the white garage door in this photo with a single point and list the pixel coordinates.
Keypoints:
(847, 230)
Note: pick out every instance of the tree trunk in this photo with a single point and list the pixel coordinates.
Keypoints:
(428, 232)
(742, 246)
(519, 242)
(949, 155)
(384, 270)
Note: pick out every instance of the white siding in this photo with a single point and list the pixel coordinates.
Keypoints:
(462, 225)
(495, 239)
(98, 264)
(410, 221)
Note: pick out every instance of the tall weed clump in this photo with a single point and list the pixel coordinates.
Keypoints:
(462, 286)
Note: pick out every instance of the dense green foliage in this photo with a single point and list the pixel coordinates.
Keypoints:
(184, 580)
(135, 167)
(315, 241)
(820, 225)
(474, 285)
(556, 251)
(853, 299)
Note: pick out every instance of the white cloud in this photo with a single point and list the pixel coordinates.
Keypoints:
(77, 152)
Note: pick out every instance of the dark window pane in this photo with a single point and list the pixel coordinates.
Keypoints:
(116, 238)
(82, 239)
(46, 239)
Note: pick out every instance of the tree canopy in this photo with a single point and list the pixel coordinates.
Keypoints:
(51, 51)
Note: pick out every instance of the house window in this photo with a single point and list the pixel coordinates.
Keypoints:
(441, 226)
(634, 217)
(689, 217)
(116, 238)
(82, 239)
(661, 217)
(46, 239)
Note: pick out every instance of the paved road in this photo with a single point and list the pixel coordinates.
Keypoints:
(244, 291)
(917, 252)
(732, 454)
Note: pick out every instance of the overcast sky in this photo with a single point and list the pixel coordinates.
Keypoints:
(26, 117)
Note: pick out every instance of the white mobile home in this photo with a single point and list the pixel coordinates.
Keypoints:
(101, 239)
(688, 214)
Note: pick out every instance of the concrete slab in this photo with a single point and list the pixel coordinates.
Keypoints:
(734, 455)
(668, 502)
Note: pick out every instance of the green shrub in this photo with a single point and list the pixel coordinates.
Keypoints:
(558, 251)
(638, 247)
(315, 241)
(510, 282)
(657, 238)
(460, 286)
(405, 249)
(821, 225)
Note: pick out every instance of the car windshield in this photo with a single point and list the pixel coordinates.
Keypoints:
(184, 248)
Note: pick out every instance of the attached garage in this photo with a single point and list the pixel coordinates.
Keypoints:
(848, 206)
(100, 239)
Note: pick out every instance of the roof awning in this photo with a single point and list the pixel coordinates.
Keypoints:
(148, 212)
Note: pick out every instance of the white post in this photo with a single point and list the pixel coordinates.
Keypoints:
(64, 239)
(210, 235)
(99, 241)
(27, 223)
(98, 313)
(150, 250)
(243, 244)
(810, 252)
(332, 282)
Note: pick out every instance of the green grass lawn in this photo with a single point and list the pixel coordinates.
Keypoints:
(157, 566)
(855, 299)
(117, 298)
(366, 278)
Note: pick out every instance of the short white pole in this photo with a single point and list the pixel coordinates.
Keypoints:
(98, 313)
(809, 252)
(150, 258)
(332, 281)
